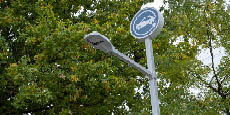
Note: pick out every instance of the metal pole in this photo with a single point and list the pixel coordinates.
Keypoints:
(132, 63)
(152, 82)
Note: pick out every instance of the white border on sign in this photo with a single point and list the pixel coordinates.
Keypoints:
(134, 19)
(149, 29)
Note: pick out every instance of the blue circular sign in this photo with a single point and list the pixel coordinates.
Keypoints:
(144, 22)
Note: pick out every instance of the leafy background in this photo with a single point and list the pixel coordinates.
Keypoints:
(47, 68)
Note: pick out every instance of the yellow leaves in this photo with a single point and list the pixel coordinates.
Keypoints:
(40, 56)
(5, 53)
(208, 18)
(105, 82)
(74, 78)
(13, 65)
(95, 21)
(106, 85)
(210, 5)
(34, 40)
(80, 90)
(76, 96)
(42, 88)
(186, 19)
(181, 31)
(37, 57)
(157, 46)
(85, 97)
(108, 89)
(175, 19)
(1, 55)
(73, 69)
(79, 7)
(85, 46)
(77, 56)
(85, 29)
(12, 69)
(184, 57)
(104, 29)
(109, 17)
(5, 19)
(120, 30)
(108, 25)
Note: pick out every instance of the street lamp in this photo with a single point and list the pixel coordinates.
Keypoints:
(102, 43)
(145, 26)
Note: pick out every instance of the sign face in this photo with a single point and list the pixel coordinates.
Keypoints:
(145, 22)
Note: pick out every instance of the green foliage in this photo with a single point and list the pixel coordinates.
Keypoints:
(201, 24)
(47, 68)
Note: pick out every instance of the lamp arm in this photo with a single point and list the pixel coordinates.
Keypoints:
(132, 63)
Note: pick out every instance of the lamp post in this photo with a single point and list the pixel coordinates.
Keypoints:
(102, 43)
(145, 26)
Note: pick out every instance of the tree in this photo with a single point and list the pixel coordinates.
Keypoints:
(46, 66)
(201, 24)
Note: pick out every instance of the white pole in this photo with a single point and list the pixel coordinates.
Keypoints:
(152, 82)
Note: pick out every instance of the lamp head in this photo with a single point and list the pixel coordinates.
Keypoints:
(99, 41)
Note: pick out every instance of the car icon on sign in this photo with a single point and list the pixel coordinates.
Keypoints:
(144, 22)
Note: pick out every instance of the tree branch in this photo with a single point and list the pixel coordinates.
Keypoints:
(225, 77)
(219, 87)
(217, 90)
(212, 56)
(207, 84)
